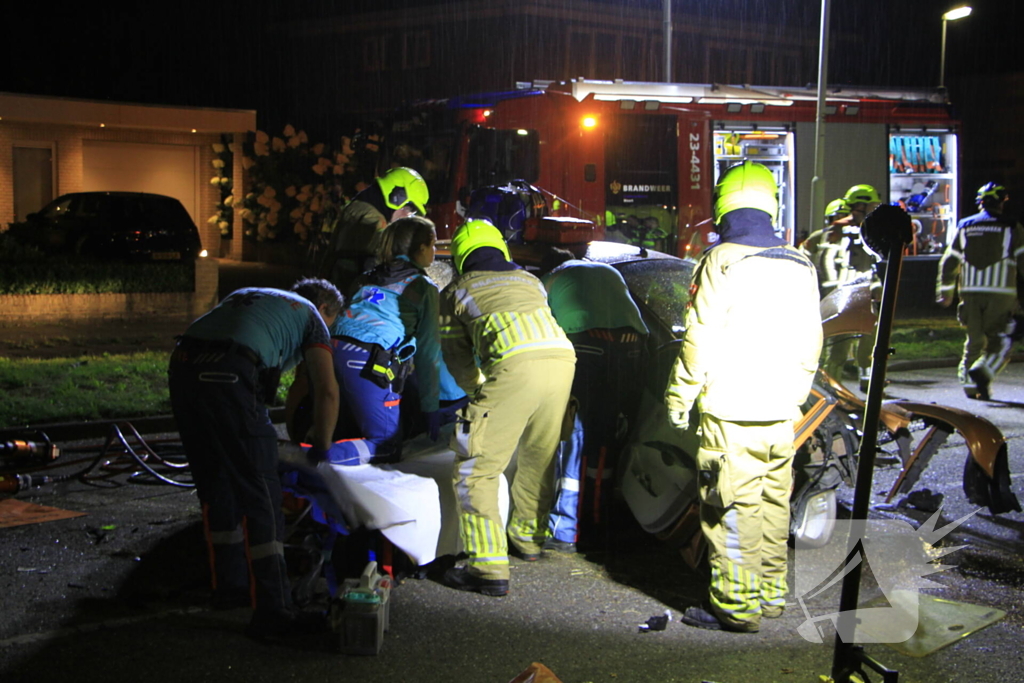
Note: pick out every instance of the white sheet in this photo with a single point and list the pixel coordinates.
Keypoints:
(412, 502)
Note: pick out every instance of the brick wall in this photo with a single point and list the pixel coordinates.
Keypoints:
(37, 308)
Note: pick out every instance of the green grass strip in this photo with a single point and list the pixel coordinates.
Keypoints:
(40, 391)
(37, 391)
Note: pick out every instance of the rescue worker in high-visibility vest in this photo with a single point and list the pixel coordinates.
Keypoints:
(505, 349)
(388, 328)
(647, 233)
(613, 228)
(823, 247)
(352, 243)
(856, 262)
(983, 261)
(222, 374)
(750, 351)
(592, 303)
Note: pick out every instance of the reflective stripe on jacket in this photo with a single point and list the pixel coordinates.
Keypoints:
(984, 256)
(491, 316)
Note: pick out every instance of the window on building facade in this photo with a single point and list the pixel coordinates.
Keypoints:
(607, 56)
(631, 60)
(375, 53)
(578, 55)
(727, 64)
(415, 50)
(656, 59)
(753, 65)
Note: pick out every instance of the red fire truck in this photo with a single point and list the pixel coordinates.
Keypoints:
(626, 153)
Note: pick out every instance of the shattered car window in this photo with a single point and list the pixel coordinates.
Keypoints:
(441, 271)
(662, 287)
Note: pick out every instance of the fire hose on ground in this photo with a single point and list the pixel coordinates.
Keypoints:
(30, 462)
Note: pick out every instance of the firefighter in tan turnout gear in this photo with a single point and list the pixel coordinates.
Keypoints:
(496, 313)
(750, 351)
(984, 260)
(855, 263)
(825, 247)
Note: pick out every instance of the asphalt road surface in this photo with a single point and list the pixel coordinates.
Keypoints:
(118, 595)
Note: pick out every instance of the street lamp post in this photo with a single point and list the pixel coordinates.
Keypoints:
(818, 181)
(667, 28)
(951, 15)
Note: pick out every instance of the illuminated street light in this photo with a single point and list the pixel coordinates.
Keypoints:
(951, 15)
(958, 13)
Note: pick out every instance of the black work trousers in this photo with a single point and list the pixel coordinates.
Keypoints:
(231, 447)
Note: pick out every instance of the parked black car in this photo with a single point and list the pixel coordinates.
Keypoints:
(131, 226)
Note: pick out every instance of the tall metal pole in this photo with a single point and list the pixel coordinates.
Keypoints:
(667, 28)
(818, 182)
(942, 55)
(887, 230)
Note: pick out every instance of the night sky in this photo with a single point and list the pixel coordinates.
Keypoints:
(238, 56)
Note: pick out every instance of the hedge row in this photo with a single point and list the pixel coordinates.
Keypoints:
(25, 269)
(66, 276)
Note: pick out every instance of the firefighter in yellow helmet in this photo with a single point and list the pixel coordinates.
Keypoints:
(855, 263)
(398, 193)
(750, 351)
(823, 247)
(496, 313)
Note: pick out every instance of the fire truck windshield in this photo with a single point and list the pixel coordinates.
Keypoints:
(497, 157)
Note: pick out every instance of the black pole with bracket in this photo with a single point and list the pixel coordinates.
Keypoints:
(886, 230)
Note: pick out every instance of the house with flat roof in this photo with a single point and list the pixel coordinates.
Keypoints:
(50, 146)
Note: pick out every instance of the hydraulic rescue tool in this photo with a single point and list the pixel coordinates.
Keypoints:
(18, 451)
(35, 450)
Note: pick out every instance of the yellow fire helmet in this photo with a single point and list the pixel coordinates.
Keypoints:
(474, 234)
(837, 208)
(746, 186)
(862, 194)
(402, 186)
(991, 193)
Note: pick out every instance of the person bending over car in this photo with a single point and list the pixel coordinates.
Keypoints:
(497, 313)
(749, 354)
(591, 302)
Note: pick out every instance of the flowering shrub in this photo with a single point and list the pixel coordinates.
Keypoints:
(295, 185)
(222, 165)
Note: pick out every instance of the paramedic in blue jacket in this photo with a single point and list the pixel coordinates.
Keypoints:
(222, 374)
(388, 329)
(592, 304)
